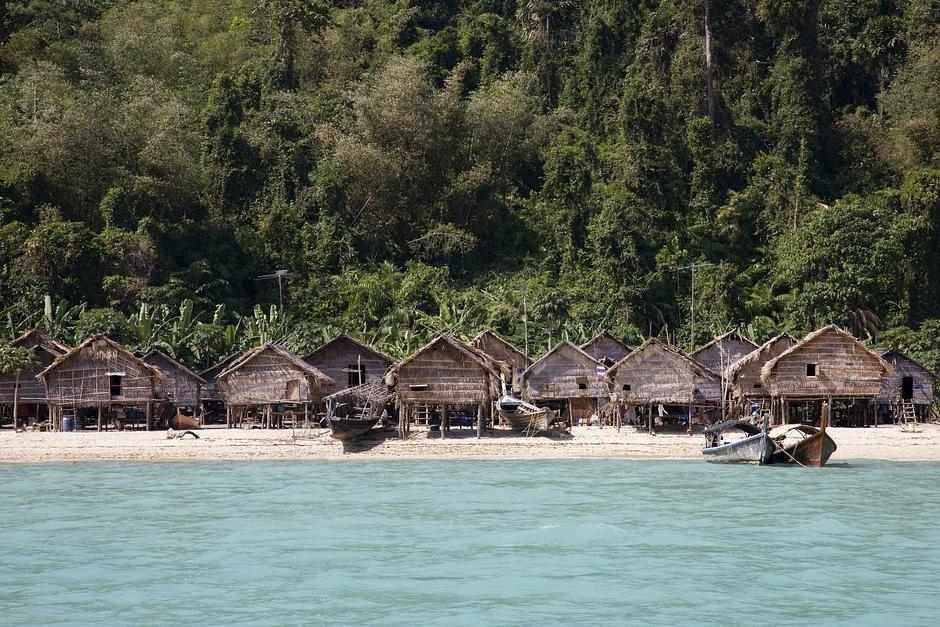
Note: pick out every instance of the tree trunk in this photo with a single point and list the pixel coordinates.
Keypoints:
(708, 63)
(16, 400)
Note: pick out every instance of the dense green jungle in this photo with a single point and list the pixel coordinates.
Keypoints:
(421, 166)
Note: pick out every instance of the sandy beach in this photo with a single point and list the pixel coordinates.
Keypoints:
(883, 443)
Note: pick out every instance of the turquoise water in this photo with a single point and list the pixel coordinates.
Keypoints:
(525, 543)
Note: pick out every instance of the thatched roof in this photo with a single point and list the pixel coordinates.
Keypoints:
(809, 339)
(296, 361)
(509, 346)
(680, 355)
(373, 392)
(495, 367)
(34, 337)
(557, 348)
(608, 336)
(758, 352)
(210, 374)
(345, 337)
(101, 347)
(730, 335)
(886, 353)
(175, 364)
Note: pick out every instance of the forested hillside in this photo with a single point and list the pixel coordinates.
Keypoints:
(427, 165)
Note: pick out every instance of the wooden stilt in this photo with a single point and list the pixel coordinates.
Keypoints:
(649, 419)
(149, 412)
(479, 421)
(100, 417)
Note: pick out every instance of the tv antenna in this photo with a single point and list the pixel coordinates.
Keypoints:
(693, 267)
(280, 275)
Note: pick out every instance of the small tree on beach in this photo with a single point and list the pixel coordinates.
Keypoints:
(14, 360)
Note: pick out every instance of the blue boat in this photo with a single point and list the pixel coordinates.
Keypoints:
(756, 447)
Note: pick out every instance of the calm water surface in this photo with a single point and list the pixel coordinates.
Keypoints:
(526, 543)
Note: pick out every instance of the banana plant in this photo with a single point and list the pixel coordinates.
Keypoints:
(59, 320)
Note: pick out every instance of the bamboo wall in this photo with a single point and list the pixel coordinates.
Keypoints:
(845, 368)
(181, 387)
(566, 372)
(81, 378)
(268, 378)
(444, 374)
(335, 359)
(904, 366)
(657, 374)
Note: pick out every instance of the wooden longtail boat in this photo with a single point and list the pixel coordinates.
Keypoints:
(812, 447)
(346, 429)
(524, 417)
(755, 448)
(183, 423)
(354, 411)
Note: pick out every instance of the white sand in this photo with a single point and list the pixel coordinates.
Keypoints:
(885, 442)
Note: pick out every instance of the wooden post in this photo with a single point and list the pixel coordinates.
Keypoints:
(690, 418)
(100, 416)
(479, 421)
(16, 400)
(149, 411)
(649, 419)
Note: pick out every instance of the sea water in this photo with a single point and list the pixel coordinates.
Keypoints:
(465, 543)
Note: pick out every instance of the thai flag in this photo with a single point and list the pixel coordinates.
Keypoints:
(601, 370)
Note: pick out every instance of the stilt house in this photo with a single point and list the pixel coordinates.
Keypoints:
(744, 375)
(909, 390)
(24, 396)
(657, 379)
(101, 374)
(569, 381)
(182, 387)
(447, 378)
(828, 372)
(265, 381)
(501, 350)
(349, 362)
(210, 390)
(606, 348)
(723, 351)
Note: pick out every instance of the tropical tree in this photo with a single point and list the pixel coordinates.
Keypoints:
(15, 360)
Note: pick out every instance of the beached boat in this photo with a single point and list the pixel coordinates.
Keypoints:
(756, 447)
(353, 412)
(802, 444)
(524, 417)
(183, 423)
(346, 429)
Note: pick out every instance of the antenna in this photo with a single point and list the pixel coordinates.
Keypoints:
(692, 267)
(280, 275)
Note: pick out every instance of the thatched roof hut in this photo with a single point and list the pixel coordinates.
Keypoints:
(723, 351)
(909, 380)
(606, 348)
(655, 373)
(449, 373)
(567, 379)
(31, 390)
(182, 386)
(827, 363)
(744, 375)
(100, 373)
(269, 375)
(349, 362)
(502, 350)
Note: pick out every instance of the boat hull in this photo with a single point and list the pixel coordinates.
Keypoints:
(347, 429)
(527, 422)
(755, 449)
(813, 451)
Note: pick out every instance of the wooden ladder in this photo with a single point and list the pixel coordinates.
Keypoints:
(908, 414)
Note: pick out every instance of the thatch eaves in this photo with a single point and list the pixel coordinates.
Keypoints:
(730, 335)
(100, 347)
(155, 353)
(756, 354)
(768, 368)
(36, 338)
(352, 340)
(296, 361)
